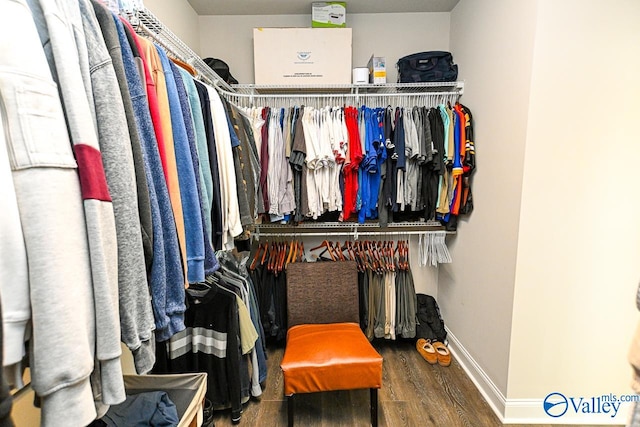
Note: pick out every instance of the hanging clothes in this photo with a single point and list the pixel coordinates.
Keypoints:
(61, 26)
(166, 276)
(382, 163)
(210, 343)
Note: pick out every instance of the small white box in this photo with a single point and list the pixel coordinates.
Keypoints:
(302, 56)
(377, 70)
(360, 76)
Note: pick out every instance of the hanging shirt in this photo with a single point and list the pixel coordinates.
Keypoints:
(297, 160)
(401, 162)
(412, 148)
(166, 275)
(186, 179)
(216, 199)
(164, 129)
(209, 262)
(231, 224)
(351, 166)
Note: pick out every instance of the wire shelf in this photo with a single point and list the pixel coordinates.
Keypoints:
(148, 25)
(380, 95)
(383, 89)
(353, 229)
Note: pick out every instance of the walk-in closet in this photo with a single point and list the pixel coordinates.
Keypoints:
(341, 213)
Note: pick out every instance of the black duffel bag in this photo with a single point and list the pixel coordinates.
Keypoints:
(434, 66)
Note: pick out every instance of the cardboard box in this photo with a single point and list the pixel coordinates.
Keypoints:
(377, 70)
(329, 14)
(302, 56)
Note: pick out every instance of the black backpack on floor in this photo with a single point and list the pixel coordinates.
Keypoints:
(430, 324)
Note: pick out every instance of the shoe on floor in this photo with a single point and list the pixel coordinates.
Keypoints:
(427, 351)
(442, 353)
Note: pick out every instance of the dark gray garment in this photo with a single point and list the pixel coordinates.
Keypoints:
(299, 168)
(251, 151)
(124, 169)
(110, 34)
(153, 408)
(241, 165)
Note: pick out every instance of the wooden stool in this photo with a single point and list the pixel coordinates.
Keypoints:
(320, 354)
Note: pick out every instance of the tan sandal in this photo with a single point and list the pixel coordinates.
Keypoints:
(427, 351)
(443, 353)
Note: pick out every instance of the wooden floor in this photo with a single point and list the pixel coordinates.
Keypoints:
(413, 393)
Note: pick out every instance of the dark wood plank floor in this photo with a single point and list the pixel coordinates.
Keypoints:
(413, 393)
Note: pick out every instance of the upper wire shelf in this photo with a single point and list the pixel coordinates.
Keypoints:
(456, 87)
(147, 24)
(246, 95)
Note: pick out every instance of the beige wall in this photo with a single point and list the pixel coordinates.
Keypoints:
(180, 18)
(579, 237)
(548, 260)
(492, 43)
(231, 37)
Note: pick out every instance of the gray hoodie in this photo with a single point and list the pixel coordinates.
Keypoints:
(52, 219)
(60, 27)
(136, 316)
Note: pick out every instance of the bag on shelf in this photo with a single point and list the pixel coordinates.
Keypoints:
(430, 324)
(434, 66)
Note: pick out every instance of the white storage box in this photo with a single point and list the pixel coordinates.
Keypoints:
(302, 56)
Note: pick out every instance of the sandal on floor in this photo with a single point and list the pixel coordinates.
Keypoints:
(427, 351)
(443, 353)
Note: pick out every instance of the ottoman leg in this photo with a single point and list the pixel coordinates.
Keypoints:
(374, 406)
(290, 410)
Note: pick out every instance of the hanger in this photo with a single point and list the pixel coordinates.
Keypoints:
(184, 65)
(338, 250)
(364, 256)
(301, 250)
(283, 256)
(253, 264)
(325, 244)
(291, 255)
(273, 256)
(405, 255)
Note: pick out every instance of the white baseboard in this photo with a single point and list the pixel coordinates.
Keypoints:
(522, 411)
(483, 383)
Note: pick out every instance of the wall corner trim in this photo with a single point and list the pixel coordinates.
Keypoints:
(518, 411)
(489, 391)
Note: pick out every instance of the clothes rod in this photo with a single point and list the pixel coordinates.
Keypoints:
(347, 233)
(338, 95)
(457, 86)
(354, 233)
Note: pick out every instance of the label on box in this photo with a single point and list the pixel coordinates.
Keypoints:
(329, 14)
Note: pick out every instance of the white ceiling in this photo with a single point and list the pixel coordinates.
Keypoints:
(301, 7)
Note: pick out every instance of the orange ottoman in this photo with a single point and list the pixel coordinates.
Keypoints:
(327, 357)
